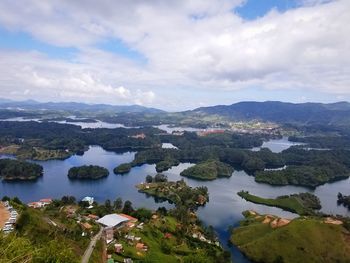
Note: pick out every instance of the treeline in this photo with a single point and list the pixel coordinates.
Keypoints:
(304, 167)
(49, 135)
(87, 172)
(19, 170)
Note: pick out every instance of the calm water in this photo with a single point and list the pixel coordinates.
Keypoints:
(277, 145)
(224, 208)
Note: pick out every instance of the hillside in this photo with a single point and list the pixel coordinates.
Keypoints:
(266, 238)
(281, 112)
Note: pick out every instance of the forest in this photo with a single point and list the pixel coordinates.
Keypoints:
(19, 170)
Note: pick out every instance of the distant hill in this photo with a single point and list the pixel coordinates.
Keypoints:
(74, 106)
(281, 112)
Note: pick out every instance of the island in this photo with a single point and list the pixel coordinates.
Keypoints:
(271, 239)
(302, 203)
(344, 200)
(304, 175)
(19, 170)
(208, 170)
(178, 193)
(123, 168)
(87, 172)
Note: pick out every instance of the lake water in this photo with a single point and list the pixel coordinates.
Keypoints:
(277, 145)
(224, 209)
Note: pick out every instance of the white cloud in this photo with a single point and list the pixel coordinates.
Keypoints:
(196, 44)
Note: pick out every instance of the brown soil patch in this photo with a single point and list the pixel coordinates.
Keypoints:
(4, 215)
(333, 221)
(268, 219)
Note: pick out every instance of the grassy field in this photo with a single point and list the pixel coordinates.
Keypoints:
(293, 203)
(302, 240)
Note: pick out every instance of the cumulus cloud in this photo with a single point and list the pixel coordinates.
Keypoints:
(196, 44)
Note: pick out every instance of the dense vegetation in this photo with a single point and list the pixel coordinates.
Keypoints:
(36, 240)
(302, 203)
(302, 240)
(122, 168)
(19, 170)
(208, 170)
(344, 200)
(87, 172)
(178, 193)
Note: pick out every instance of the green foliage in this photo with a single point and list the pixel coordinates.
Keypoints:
(302, 240)
(19, 170)
(122, 168)
(302, 203)
(87, 172)
(208, 170)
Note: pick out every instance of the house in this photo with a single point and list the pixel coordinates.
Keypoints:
(141, 246)
(46, 201)
(88, 199)
(35, 205)
(109, 232)
(86, 226)
(118, 248)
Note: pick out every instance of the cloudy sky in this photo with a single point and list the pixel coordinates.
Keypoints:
(176, 54)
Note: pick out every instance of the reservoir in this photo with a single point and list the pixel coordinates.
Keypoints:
(224, 209)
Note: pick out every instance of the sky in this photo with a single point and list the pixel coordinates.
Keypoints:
(175, 54)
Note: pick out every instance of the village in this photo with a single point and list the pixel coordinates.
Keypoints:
(116, 236)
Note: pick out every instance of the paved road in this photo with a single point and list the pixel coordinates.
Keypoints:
(88, 251)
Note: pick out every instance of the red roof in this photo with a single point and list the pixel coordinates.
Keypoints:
(129, 217)
(46, 200)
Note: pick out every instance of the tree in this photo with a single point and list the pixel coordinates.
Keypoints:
(160, 178)
(118, 204)
(149, 179)
(128, 209)
(108, 205)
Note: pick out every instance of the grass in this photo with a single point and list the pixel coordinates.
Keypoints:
(290, 203)
(303, 240)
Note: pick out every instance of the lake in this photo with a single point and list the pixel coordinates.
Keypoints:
(224, 209)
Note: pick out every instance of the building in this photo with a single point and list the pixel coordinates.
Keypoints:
(114, 220)
(88, 199)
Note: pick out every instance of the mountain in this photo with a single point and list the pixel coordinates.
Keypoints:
(75, 106)
(281, 112)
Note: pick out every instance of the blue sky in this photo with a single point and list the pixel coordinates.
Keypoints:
(157, 55)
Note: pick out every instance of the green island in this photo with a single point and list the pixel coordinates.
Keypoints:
(19, 170)
(208, 170)
(302, 203)
(123, 168)
(344, 200)
(178, 192)
(87, 172)
(270, 239)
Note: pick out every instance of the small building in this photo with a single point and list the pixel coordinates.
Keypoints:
(109, 232)
(88, 199)
(46, 201)
(118, 248)
(86, 226)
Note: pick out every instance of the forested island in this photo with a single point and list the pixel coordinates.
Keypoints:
(208, 170)
(87, 172)
(19, 170)
(302, 203)
(178, 192)
(270, 239)
(344, 200)
(122, 168)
